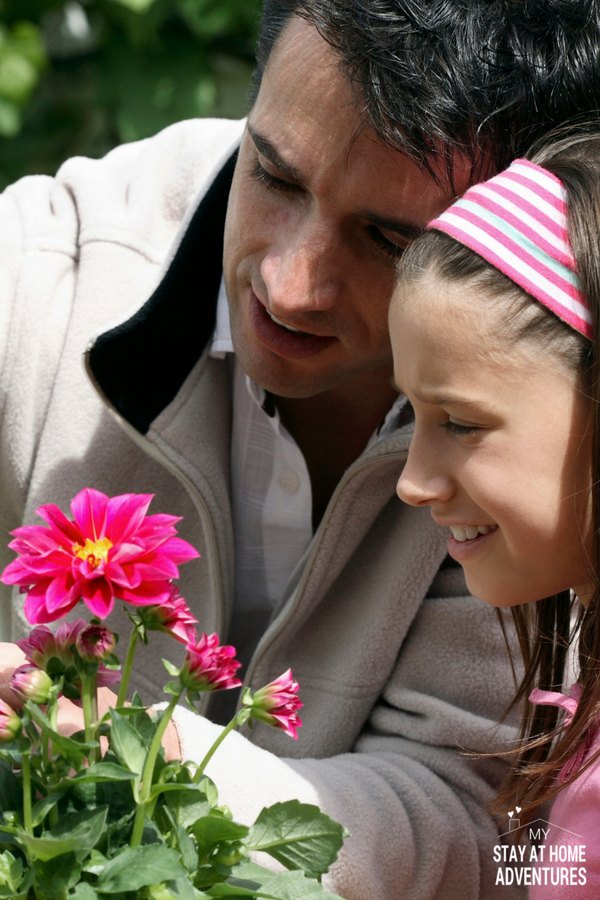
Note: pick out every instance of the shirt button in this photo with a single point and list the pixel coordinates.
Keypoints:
(289, 482)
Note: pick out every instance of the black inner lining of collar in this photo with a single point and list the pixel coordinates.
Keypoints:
(141, 364)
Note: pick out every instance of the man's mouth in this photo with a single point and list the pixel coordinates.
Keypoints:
(463, 533)
(282, 324)
(282, 339)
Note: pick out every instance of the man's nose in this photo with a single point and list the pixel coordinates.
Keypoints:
(303, 273)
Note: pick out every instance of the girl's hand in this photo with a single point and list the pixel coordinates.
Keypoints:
(11, 657)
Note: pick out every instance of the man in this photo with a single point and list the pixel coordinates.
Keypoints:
(269, 424)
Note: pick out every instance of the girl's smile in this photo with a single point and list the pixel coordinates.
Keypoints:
(500, 451)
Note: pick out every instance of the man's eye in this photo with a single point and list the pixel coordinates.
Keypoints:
(260, 174)
(394, 251)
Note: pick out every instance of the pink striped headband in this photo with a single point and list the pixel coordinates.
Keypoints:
(517, 221)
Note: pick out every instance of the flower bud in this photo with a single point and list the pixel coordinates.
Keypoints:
(10, 723)
(277, 704)
(208, 666)
(95, 643)
(173, 617)
(31, 683)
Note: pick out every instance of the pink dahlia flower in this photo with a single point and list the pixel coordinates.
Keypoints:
(43, 645)
(10, 723)
(110, 550)
(174, 617)
(277, 704)
(208, 666)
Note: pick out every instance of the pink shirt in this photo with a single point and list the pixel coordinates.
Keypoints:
(572, 847)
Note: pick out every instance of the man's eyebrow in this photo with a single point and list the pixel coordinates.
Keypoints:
(267, 149)
(270, 152)
(405, 229)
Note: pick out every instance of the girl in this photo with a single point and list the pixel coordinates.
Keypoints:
(494, 329)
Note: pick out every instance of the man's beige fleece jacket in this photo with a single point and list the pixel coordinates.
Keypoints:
(399, 673)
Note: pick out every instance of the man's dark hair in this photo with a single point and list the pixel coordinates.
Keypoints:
(484, 77)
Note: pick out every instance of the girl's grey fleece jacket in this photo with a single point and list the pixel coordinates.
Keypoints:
(400, 673)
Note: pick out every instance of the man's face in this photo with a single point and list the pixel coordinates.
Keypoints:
(319, 209)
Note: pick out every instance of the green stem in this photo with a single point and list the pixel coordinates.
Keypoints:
(213, 749)
(148, 772)
(127, 667)
(26, 776)
(89, 702)
(53, 716)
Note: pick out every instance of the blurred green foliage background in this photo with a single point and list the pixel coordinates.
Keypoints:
(80, 76)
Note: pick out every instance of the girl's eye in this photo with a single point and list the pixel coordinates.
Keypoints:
(260, 174)
(394, 251)
(459, 428)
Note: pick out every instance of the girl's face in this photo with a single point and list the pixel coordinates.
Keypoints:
(501, 452)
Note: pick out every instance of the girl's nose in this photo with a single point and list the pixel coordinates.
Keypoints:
(421, 482)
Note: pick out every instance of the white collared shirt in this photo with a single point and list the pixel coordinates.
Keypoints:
(272, 500)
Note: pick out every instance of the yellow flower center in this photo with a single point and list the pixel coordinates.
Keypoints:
(95, 552)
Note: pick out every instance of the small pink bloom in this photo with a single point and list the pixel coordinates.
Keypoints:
(111, 549)
(208, 666)
(95, 643)
(173, 617)
(44, 647)
(10, 723)
(277, 704)
(31, 683)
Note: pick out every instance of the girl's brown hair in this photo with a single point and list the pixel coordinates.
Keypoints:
(547, 629)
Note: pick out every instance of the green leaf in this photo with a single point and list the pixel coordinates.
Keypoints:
(298, 835)
(251, 880)
(182, 889)
(12, 876)
(187, 848)
(215, 829)
(43, 807)
(140, 867)
(76, 832)
(94, 863)
(83, 891)
(171, 668)
(127, 743)
(55, 876)
(71, 750)
(103, 771)
(187, 803)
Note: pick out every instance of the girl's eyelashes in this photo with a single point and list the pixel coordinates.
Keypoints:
(459, 429)
(272, 182)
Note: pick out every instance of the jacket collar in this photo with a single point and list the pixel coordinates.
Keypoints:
(140, 365)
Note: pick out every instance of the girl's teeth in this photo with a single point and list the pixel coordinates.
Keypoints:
(469, 532)
(283, 325)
